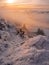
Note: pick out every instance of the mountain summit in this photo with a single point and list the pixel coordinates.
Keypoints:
(15, 50)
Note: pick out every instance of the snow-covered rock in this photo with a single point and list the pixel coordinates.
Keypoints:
(15, 50)
(34, 51)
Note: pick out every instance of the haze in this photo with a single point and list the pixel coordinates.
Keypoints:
(22, 11)
(35, 2)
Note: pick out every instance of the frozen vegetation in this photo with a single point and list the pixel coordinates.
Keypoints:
(17, 49)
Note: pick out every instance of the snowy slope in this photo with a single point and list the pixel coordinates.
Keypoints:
(34, 51)
(16, 51)
(9, 41)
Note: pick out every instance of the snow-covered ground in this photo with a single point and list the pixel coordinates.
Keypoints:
(15, 50)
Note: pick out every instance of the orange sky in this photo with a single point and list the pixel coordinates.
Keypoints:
(33, 2)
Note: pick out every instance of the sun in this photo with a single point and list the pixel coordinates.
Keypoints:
(10, 1)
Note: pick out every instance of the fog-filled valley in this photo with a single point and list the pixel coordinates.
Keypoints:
(28, 16)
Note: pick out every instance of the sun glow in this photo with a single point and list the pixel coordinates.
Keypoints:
(10, 1)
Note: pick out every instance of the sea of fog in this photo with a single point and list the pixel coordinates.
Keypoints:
(31, 17)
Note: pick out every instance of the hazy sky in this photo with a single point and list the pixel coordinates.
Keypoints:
(43, 2)
(17, 15)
